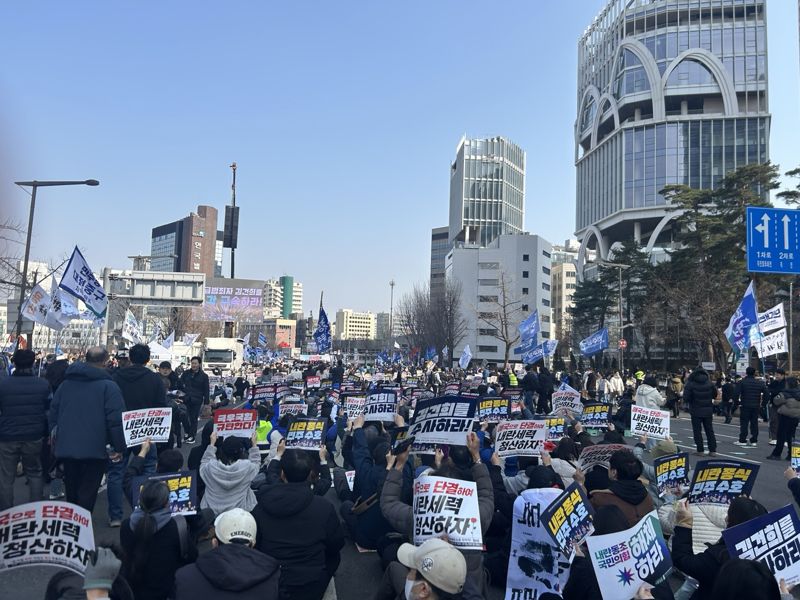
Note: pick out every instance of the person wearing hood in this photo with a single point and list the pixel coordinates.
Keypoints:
(299, 529)
(647, 394)
(753, 393)
(141, 389)
(787, 403)
(700, 394)
(674, 395)
(155, 544)
(85, 415)
(625, 491)
(233, 569)
(705, 566)
(228, 477)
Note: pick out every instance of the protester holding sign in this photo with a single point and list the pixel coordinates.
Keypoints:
(228, 477)
(651, 422)
(787, 403)
(463, 464)
(719, 481)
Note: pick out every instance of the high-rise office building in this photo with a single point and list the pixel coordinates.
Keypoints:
(282, 297)
(669, 92)
(487, 190)
(439, 249)
(188, 245)
(352, 325)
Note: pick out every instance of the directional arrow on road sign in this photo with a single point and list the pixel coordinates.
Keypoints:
(764, 229)
(770, 247)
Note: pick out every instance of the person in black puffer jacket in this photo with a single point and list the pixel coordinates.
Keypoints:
(699, 394)
(787, 403)
(24, 400)
(752, 395)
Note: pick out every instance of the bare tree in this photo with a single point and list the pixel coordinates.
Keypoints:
(502, 321)
(413, 314)
(446, 320)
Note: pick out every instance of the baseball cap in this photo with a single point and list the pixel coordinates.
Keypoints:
(235, 524)
(438, 562)
(664, 448)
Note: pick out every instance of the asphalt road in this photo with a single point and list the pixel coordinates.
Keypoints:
(360, 573)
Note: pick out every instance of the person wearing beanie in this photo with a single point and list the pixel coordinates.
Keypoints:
(228, 477)
(233, 569)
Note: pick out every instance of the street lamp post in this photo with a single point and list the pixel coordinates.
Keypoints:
(391, 311)
(34, 185)
(621, 267)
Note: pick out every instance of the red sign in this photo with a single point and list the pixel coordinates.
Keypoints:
(623, 343)
(236, 422)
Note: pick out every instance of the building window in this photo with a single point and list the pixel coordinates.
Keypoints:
(545, 334)
(489, 265)
(526, 257)
(545, 302)
(524, 308)
(487, 298)
(487, 348)
(489, 282)
(524, 291)
(545, 270)
(487, 331)
(545, 253)
(570, 274)
(545, 319)
(487, 315)
(524, 274)
(570, 286)
(546, 287)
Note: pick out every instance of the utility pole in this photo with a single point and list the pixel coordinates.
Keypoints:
(233, 203)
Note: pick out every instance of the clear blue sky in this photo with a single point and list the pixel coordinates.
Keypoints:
(342, 116)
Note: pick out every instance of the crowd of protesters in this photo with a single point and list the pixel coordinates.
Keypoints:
(272, 521)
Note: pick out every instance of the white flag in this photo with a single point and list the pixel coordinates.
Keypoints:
(167, 343)
(130, 328)
(190, 338)
(246, 339)
(774, 343)
(445, 352)
(466, 356)
(79, 281)
(771, 319)
(396, 346)
(37, 305)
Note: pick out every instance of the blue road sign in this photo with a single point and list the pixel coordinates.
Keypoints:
(773, 240)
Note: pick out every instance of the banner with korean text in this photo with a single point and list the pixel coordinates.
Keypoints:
(153, 423)
(445, 420)
(381, 406)
(651, 422)
(720, 481)
(492, 410)
(520, 438)
(182, 491)
(447, 507)
(599, 454)
(595, 416)
(672, 473)
(306, 434)
(569, 518)
(236, 422)
(567, 402)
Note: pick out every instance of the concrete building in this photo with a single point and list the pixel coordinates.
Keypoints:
(563, 277)
(487, 190)
(669, 92)
(382, 320)
(352, 325)
(282, 297)
(522, 263)
(280, 333)
(188, 245)
(439, 249)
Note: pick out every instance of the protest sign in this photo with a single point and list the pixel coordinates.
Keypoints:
(182, 491)
(326, 383)
(795, 454)
(520, 438)
(306, 434)
(153, 423)
(46, 533)
(592, 456)
(772, 539)
(447, 507)
(381, 406)
(595, 416)
(536, 566)
(720, 481)
(262, 392)
(235, 421)
(313, 381)
(567, 402)
(351, 477)
(354, 405)
(452, 389)
(651, 422)
(556, 428)
(672, 473)
(569, 518)
(411, 382)
(445, 420)
(493, 410)
(294, 407)
(623, 561)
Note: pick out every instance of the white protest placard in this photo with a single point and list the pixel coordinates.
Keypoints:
(567, 402)
(37, 305)
(153, 423)
(351, 477)
(46, 533)
(235, 422)
(771, 319)
(447, 507)
(354, 405)
(445, 420)
(520, 438)
(651, 422)
(381, 406)
(294, 408)
(623, 561)
(313, 381)
(599, 454)
(774, 343)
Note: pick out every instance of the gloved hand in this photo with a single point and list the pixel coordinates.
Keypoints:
(102, 570)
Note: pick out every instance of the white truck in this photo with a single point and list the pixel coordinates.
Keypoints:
(225, 354)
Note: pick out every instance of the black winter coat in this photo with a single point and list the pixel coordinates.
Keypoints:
(195, 386)
(87, 409)
(752, 392)
(300, 530)
(699, 394)
(141, 387)
(704, 567)
(229, 572)
(24, 400)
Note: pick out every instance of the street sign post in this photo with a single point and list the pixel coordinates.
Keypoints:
(773, 240)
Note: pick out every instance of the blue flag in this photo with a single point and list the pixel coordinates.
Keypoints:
(322, 335)
(466, 356)
(527, 346)
(262, 339)
(745, 316)
(594, 343)
(430, 353)
(530, 327)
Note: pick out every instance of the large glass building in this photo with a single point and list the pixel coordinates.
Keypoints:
(487, 190)
(669, 92)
